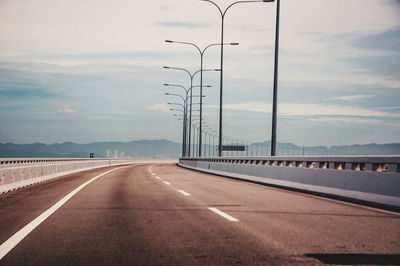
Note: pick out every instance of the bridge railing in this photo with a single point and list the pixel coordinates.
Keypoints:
(17, 173)
(21, 162)
(370, 179)
(355, 163)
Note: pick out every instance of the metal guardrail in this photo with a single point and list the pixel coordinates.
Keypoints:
(17, 173)
(19, 162)
(373, 180)
(355, 163)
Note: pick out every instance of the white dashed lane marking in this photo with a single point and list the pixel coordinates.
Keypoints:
(226, 216)
(183, 192)
(167, 183)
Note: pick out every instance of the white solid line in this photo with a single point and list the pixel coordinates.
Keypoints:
(183, 192)
(167, 183)
(158, 177)
(8, 245)
(153, 173)
(226, 216)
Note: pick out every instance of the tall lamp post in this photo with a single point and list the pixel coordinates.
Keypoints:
(185, 114)
(183, 133)
(191, 92)
(223, 13)
(183, 127)
(187, 97)
(197, 122)
(184, 120)
(201, 52)
(275, 94)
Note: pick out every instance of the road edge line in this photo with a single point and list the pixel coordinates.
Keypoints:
(14, 240)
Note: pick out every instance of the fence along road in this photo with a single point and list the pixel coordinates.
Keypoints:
(374, 180)
(130, 216)
(18, 173)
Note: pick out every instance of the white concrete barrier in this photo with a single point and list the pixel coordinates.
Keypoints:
(370, 179)
(17, 173)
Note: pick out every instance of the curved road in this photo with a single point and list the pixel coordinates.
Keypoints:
(162, 214)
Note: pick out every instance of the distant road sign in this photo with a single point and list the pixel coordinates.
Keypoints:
(233, 147)
(91, 155)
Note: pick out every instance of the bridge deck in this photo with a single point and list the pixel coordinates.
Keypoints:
(162, 214)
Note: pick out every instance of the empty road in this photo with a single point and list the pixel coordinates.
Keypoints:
(161, 214)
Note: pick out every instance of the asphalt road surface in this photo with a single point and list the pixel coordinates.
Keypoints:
(162, 214)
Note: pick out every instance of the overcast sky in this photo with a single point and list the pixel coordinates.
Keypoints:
(91, 70)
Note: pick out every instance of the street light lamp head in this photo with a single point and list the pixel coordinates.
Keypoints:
(166, 93)
(166, 84)
(234, 43)
(169, 41)
(266, 1)
(217, 69)
(166, 67)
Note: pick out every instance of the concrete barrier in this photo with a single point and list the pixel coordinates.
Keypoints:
(17, 173)
(374, 180)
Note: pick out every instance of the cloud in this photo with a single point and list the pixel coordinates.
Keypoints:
(381, 65)
(384, 41)
(383, 53)
(390, 108)
(352, 98)
(288, 109)
(350, 120)
(180, 24)
(23, 93)
(159, 108)
(66, 111)
(166, 7)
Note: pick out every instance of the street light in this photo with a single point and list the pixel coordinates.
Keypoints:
(223, 13)
(196, 122)
(186, 90)
(201, 75)
(207, 131)
(185, 122)
(185, 113)
(184, 125)
(177, 104)
(191, 92)
(275, 94)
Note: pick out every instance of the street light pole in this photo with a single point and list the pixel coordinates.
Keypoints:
(183, 124)
(223, 13)
(275, 93)
(185, 108)
(183, 135)
(191, 96)
(201, 52)
(184, 120)
(185, 114)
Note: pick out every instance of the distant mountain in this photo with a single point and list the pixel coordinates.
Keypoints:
(143, 148)
(168, 149)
